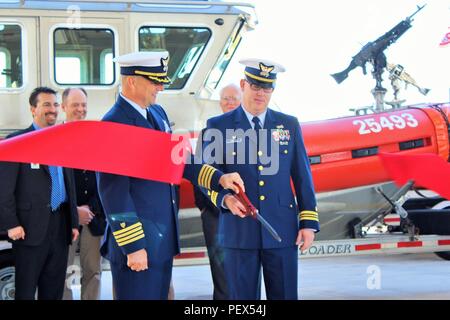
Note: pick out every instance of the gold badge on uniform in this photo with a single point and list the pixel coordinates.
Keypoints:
(123, 224)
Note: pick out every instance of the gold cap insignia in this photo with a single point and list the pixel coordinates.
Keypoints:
(165, 63)
(123, 224)
(265, 70)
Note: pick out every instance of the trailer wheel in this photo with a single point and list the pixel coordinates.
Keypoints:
(443, 205)
(444, 255)
(7, 276)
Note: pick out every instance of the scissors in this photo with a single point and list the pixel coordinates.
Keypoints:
(254, 213)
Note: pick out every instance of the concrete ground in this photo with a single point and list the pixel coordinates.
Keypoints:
(396, 276)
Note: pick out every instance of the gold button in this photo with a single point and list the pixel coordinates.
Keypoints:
(209, 193)
(285, 151)
(260, 168)
(260, 153)
(261, 183)
(262, 198)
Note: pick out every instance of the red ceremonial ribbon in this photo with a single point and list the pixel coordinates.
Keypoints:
(102, 146)
(427, 170)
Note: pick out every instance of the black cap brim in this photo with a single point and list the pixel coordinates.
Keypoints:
(262, 84)
(158, 80)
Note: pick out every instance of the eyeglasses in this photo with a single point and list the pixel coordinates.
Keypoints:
(229, 99)
(255, 87)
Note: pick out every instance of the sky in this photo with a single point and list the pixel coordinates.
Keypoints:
(314, 39)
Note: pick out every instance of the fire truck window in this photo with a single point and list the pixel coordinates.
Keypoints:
(68, 69)
(83, 56)
(10, 56)
(106, 61)
(185, 46)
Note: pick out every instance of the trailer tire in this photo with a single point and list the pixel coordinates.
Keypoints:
(443, 205)
(444, 255)
(7, 275)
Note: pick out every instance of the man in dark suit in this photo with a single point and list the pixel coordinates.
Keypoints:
(266, 148)
(141, 238)
(38, 208)
(230, 99)
(90, 211)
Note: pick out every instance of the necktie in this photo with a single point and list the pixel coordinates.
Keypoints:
(257, 127)
(151, 120)
(257, 123)
(57, 196)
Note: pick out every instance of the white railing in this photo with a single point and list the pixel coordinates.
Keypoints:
(158, 2)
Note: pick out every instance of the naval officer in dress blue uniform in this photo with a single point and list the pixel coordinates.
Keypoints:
(142, 234)
(266, 148)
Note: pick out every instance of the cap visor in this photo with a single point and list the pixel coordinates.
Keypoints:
(261, 83)
(159, 80)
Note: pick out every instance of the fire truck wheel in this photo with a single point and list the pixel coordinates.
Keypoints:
(7, 275)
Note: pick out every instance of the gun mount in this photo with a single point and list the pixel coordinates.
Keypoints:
(373, 52)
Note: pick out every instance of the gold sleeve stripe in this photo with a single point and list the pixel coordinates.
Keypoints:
(126, 234)
(314, 219)
(214, 196)
(307, 211)
(131, 236)
(200, 175)
(208, 178)
(205, 176)
(208, 175)
(116, 233)
(308, 217)
(131, 240)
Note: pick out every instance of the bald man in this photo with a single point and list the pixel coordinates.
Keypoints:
(230, 97)
(90, 211)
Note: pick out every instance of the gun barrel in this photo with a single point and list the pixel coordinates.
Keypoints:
(418, 9)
